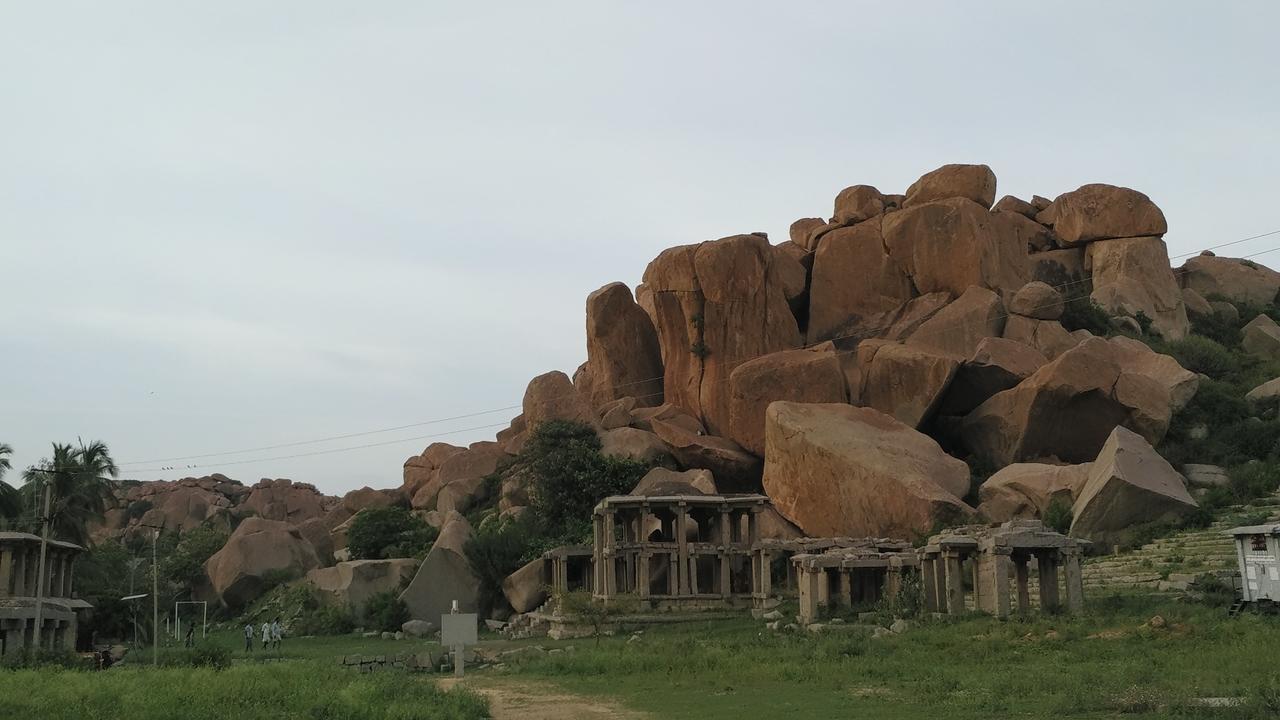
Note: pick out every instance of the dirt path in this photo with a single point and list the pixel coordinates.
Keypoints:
(523, 700)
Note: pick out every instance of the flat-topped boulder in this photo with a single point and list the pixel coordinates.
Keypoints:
(1099, 212)
(976, 183)
(1236, 280)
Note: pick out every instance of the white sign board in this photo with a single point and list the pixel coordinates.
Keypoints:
(458, 629)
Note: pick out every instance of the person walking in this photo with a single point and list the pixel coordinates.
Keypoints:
(276, 633)
(248, 637)
(266, 634)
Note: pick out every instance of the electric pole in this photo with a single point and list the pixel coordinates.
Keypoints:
(155, 601)
(40, 578)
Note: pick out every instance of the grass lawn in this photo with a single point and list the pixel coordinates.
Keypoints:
(248, 691)
(975, 667)
(1108, 663)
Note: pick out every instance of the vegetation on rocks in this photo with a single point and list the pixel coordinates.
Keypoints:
(388, 532)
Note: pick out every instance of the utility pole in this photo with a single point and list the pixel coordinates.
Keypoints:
(40, 578)
(155, 601)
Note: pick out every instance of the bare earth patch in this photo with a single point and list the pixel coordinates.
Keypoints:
(520, 700)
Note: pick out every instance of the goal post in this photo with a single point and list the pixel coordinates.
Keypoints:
(204, 618)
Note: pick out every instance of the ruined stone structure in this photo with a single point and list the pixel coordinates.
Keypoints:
(850, 573)
(997, 560)
(572, 567)
(19, 575)
(677, 550)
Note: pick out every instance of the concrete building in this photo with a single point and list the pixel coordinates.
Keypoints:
(676, 551)
(995, 565)
(1258, 553)
(19, 574)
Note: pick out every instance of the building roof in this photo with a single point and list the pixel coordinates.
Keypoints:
(28, 537)
(1272, 529)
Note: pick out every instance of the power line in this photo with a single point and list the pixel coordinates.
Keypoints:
(862, 334)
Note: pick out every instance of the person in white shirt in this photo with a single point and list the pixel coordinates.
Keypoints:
(277, 632)
(248, 637)
(266, 635)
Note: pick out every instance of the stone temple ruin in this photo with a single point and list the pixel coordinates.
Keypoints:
(19, 587)
(703, 552)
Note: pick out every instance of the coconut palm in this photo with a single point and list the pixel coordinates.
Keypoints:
(83, 482)
(10, 500)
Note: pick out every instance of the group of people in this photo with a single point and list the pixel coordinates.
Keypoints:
(272, 633)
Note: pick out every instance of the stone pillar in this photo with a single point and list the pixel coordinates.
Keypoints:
(994, 581)
(642, 574)
(1022, 577)
(977, 586)
(726, 537)
(954, 581)
(682, 548)
(753, 525)
(610, 587)
(1074, 579)
(6, 570)
(846, 588)
(597, 553)
(71, 574)
(1047, 562)
(673, 574)
(808, 596)
(892, 581)
(928, 583)
(60, 580)
(20, 570)
(766, 573)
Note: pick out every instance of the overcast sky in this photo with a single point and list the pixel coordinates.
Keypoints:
(235, 224)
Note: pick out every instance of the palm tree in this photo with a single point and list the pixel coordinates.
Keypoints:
(10, 499)
(83, 482)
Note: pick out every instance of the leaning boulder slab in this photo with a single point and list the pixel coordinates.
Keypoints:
(1129, 485)
(1262, 338)
(996, 365)
(907, 382)
(258, 547)
(622, 349)
(1025, 490)
(1100, 212)
(841, 470)
(735, 469)
(444, 575)
(956, 330)
(1137, 357)
(854, 283)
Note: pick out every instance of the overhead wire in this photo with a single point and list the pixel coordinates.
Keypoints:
(864, 333)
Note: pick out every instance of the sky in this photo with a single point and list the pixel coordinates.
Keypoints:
(241, 224)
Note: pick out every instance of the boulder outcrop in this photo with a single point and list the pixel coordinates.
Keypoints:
(526, 588)
(956, 330)
(1262, 338)
(1025, 490)
(842, 470)
(661, 481)
(854, 284)
(976, 183)
(552, 396)
(1237, 280)
(238, 572)
(1132, 276)
(949, 245)
(1101, 212)
(287, 501)
(811, 375)
(717, 305)
(622, 349)
(352, 583)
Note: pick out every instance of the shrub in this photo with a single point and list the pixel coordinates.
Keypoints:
(1080, 312)
(1202, 355)
(324, 620)
(495, 551)
(1057, 516)
(388, 532)
(137, 509)
(1144, 322)
(385, 611)
(185, 563)
(1254, 480)
(570, 477)
(45, 659)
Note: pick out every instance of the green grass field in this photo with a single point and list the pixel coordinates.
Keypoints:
(978, 667)
(1108, 663)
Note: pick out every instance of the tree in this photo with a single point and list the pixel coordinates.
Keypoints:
(83, 482)
(10, 499)
(388, 532)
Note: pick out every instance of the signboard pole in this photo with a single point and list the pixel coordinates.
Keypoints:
(458, 660)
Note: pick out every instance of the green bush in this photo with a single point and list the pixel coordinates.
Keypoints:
(185, 563)
(386, 612)
(1057, 516)
(45, 660)
(495, 551)
(1202, 355)
(388, 532)
(570, 477)
(1080, 312)
(1254, 480)
(324, 620)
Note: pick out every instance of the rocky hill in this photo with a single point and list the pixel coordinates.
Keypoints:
(912, 361)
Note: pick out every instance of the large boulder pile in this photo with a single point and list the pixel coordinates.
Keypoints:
(284, 500)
